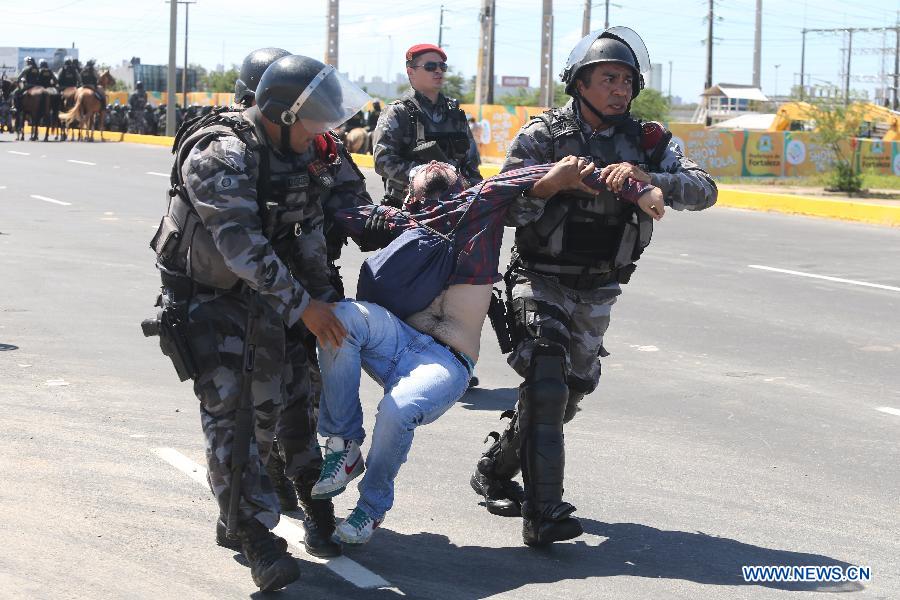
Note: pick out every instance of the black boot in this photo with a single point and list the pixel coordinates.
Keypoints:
(318, 520)
(271, 567)
(223, 540)
(552, 524)
(284, 489)
(542, 405)
(493, 474)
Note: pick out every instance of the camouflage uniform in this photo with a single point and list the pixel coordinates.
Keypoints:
(396, 135)
(568, 264)
(283, 256)
(137, 102)
(68, 77)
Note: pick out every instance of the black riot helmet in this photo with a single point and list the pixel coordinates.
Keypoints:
(299, 88)
(139, 85)
(44, 64)
(29, 62)
(89, 64)
(252, 69)
(67, 62)
(616, 44)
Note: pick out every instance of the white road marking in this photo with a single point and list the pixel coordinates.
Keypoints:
(889, 410)
(827, 278)
(19, 153)
(2, 187)
(645, 348)
(46, 199)
(157, 174)
(56, 382)
(82, 162)
(349, 569)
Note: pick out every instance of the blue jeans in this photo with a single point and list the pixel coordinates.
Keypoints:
(421, 379)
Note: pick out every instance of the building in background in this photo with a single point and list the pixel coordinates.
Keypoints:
(728, 100)
(12, 58)
(153, 76)
(656, 73)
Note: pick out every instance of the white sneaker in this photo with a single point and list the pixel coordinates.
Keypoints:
(343, 463)
(357, 528)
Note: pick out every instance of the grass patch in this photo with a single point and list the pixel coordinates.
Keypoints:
(871, 180)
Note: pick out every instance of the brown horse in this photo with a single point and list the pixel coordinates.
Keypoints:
(88, 109)
(67, 102)
(33, 103)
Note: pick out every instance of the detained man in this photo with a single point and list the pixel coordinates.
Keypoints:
(424, 362)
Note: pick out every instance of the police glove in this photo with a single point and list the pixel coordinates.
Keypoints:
(376, 232)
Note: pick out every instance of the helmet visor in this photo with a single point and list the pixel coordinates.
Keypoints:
(328, 101)
(624, 34)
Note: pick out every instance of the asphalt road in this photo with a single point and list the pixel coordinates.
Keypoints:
(744, 417)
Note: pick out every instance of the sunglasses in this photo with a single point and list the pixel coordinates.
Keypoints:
(432, 66)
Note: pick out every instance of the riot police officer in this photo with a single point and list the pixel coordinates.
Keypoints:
(137, 103)
(294, 467)
(30, 75)
(47, 79)
(242, 255)
(89, 78)
(421, 126)
(68, 76)
(568, 265)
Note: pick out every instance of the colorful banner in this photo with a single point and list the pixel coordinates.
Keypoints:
(763, 154)
(876, 156)
(495, 125)
(715, 151)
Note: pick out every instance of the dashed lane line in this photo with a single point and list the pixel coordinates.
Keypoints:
(82, 162)
(157, 174)
(889, 410)
(827, 278)
(46, 199)
(342, 566)
(19, 153)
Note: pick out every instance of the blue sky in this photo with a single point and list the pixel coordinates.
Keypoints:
(375, 35)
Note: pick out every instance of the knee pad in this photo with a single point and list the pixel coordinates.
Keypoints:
(545, 394)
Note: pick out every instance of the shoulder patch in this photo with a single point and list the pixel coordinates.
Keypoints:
(652, 134)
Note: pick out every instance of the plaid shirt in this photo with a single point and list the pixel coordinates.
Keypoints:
(476, 218)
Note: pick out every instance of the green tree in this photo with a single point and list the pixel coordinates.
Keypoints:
(531, 97)
(650, 105)
(834, 124)
(216, 81)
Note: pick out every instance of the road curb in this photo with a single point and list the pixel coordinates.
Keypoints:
(845, 210)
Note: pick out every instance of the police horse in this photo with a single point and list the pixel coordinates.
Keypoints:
(89, 110)
(34, 104)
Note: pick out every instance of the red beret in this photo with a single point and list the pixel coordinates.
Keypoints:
(422, 49)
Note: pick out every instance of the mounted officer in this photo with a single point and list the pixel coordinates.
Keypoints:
(421, 126)
(243, 259)
(47, 79)
(90, 79)
(137, 103)
(68, 76)
(568, 265)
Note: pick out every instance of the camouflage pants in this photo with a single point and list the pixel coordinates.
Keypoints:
(280, 400)
(573, 319)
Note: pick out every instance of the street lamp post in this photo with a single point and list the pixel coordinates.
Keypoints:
(776, 80)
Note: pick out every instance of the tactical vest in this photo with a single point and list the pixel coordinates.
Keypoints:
(89, 77)
(68, 77)
(579, 233)
(454, 142)
(184, 245)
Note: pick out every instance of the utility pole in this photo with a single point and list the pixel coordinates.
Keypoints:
(757, 46)
(547, 54)
(847, 78)
(484, 80)
(586, 19)
(709, 46)
(170, 75)
(802, 66)
(606, 19)
(184, 88)
(897, 61)
(441, 28)
(331, 53)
